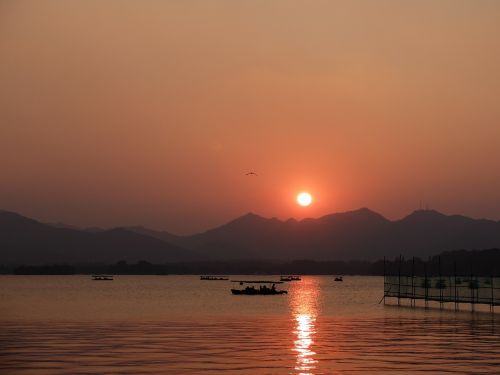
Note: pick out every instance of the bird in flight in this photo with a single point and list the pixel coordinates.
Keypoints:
(251, 174)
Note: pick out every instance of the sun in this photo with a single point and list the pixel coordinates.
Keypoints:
(304, 199)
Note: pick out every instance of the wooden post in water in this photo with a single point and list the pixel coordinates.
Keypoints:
(440, 284)
(476, 295)
(455, 284)
(471, 286)
(426, 286)
(492, 295)
(450, 297)
(384, 280)
(404, 292)
(399, 280)
(412, 282)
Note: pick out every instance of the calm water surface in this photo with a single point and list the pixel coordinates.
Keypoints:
(181, 325)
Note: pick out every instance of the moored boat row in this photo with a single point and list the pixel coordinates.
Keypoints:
(290, 278)
(102, 277)
(214, 278)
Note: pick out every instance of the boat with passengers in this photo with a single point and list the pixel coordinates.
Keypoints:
(263, 288)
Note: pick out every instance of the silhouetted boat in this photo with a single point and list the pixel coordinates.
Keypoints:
(213, 278)
(262, 290)
(252, 291)
(290, 278)
(339, 278)
(102, 277)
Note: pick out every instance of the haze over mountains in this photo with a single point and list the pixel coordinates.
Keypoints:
(27, 241)
(361, 234)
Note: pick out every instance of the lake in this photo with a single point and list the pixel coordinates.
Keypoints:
(182, 325)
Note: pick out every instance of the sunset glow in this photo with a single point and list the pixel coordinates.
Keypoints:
(218, 91)
(230, 187)
(304, 199)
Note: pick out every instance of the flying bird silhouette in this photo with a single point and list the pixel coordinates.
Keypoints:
(251, 174)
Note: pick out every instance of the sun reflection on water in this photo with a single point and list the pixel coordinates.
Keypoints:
(304, 305)
(302, 345)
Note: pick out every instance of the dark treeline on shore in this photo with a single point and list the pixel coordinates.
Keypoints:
(249, 267)
(49, 269)
(448, 263)
(461, 262)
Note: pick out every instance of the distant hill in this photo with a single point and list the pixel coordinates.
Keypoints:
(27, 241)
(355, 235)
(360, 234)
(161, 235)
(69, 226)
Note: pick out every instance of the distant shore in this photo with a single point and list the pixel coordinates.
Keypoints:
(464, 262)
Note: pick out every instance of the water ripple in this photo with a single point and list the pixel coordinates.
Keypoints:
(48, 326)
(396, 345)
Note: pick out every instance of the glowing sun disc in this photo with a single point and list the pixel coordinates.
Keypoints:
(304, 199)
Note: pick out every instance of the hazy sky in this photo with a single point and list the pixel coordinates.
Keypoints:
(150, 112)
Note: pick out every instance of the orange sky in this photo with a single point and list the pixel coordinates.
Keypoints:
(150, 112)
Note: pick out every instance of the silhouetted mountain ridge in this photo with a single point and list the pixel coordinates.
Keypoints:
(27, 241)
(162, 235)
(360, 234)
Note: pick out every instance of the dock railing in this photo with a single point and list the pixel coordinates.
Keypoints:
(404, 283)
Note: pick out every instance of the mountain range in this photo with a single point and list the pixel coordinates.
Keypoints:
(361, 234)
(27, 241)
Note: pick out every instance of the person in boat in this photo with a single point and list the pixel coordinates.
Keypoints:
(273, 288)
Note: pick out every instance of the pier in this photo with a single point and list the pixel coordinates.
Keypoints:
(411, 282)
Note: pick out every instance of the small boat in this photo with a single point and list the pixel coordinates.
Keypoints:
(290, 278)
(339, 278)
(213, 278)
(102, 277)
(262, 290)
